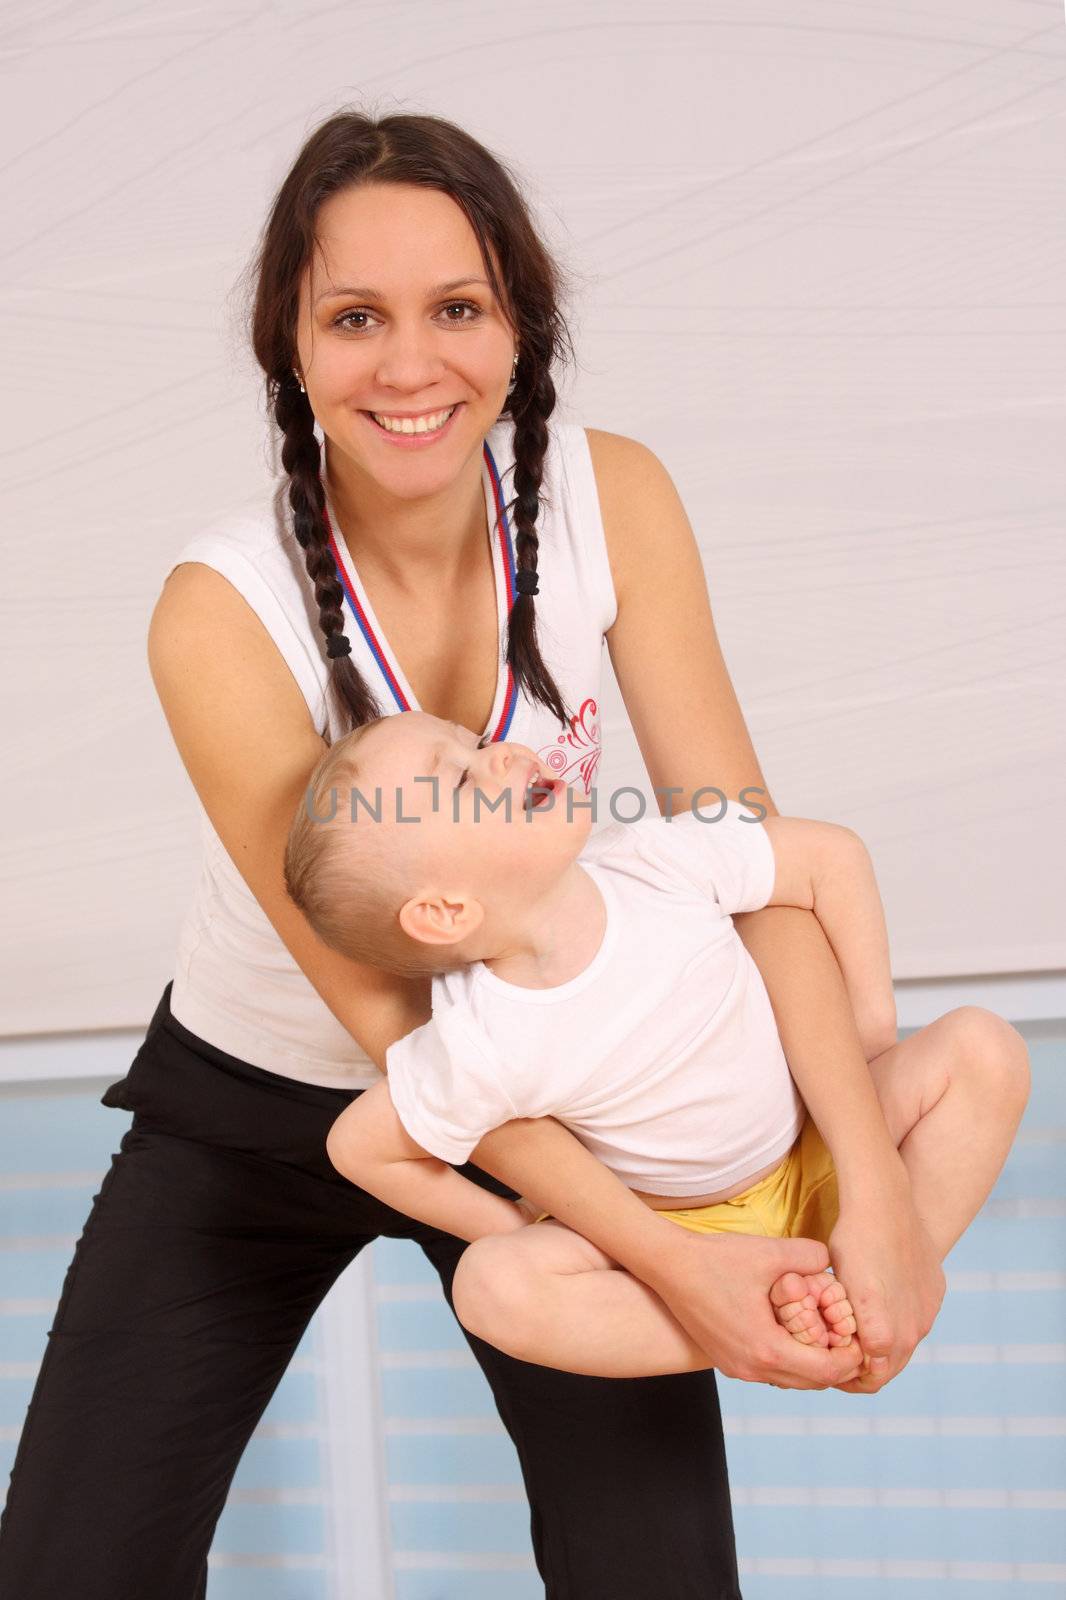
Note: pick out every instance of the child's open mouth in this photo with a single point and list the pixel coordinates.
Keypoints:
(541, 792)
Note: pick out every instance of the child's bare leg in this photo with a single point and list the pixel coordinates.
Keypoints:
(547, 1294)
(952, 1095)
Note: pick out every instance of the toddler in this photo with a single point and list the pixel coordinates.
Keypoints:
(595, 978)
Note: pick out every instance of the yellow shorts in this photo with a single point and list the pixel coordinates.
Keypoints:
(798, 1200)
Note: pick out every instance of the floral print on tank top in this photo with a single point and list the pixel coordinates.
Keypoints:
(575, 754)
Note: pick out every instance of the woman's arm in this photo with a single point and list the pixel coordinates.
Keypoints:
(246, 739)
(691, 732)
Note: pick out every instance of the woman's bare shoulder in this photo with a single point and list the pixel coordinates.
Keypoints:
(616, 455)
(638, 502)
(630, 478)
(212, 659)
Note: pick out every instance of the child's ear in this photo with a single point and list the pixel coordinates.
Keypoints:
(441, 919)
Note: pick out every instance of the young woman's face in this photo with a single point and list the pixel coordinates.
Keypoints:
(378, 334)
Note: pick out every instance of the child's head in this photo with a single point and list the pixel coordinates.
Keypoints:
(416, 847)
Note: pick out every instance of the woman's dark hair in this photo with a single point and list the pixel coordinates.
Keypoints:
(347, 151)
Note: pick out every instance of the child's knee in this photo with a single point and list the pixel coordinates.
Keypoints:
(993, 1053)
(489, 1289)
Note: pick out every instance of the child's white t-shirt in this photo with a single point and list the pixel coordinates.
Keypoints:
(662, 1056)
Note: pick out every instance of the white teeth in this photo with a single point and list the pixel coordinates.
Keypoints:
(429, 424)
(539, 783)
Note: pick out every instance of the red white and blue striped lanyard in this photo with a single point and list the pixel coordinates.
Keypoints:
(503, 534)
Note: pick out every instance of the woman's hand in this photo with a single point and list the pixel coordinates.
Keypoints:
(718, 1288)
(890, 1271)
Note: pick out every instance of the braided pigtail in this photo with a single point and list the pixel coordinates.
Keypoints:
(301, 457)
(530, 410)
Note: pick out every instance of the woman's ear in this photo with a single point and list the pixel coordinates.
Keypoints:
(440, 919)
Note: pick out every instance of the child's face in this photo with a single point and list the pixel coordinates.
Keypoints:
(475, 829)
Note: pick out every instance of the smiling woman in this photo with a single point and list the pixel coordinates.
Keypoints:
(399, 276)
(405, 381)
(408, 358)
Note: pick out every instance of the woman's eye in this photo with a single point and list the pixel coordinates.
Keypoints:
(462, 780)
(340, 322)
(462, 305)
(452, 305)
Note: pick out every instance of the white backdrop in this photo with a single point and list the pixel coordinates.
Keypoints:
(820, 252)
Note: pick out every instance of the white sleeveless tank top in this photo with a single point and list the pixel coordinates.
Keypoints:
(236, 984)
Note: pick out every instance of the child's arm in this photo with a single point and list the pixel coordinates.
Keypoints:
(370, 1145)
(825, 868)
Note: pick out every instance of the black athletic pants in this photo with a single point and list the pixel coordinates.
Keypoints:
(216, 1233)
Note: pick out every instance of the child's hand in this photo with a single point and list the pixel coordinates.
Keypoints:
(895, 1284)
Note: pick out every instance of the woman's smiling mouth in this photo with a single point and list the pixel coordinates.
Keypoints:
(413, 432)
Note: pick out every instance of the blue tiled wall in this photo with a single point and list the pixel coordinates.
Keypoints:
(949, 1485)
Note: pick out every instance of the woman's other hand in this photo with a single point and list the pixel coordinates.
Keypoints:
(718, 1288)
(895, 1284)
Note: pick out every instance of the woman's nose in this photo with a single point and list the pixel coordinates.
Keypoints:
(408, 361)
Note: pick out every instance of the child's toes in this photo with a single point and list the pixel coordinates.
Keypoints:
(791, 1288)
(839, 1319)
(802, 1322)
(836, 1338)
(819, 1284)
(836, 1310)
(807, 1328)
(840, 1324)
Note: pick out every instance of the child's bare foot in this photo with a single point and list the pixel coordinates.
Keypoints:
(813, 1308)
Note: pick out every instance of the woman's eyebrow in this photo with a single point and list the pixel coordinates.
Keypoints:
(363, 293)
